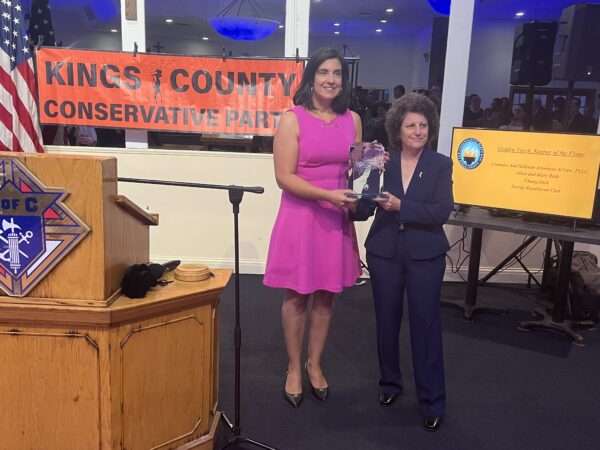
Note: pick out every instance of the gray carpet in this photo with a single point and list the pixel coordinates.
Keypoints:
(507, 389)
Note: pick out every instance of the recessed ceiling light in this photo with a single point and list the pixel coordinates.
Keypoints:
(114, 30)
(336, 24)
(336, 32)
(204, 38)
(169, 20)
(383, 21)
(519, 14)
(389, 10)
(378, 30)
(280, 27)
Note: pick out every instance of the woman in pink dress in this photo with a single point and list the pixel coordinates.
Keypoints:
(313, 249)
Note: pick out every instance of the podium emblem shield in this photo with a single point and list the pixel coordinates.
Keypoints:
(37, 230)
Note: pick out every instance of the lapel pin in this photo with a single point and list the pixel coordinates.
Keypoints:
(420, 174)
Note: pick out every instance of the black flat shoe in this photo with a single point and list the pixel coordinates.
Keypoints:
(432, 423)
(293, 399)
(386, 399)
(322, 393)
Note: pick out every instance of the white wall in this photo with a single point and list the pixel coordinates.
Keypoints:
(390, 65)
(490, 60)
(420, 64)
(95, 41)
(272, 46)
(196, 225)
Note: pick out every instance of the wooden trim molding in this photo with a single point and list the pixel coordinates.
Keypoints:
(136, 211)
(131, 9)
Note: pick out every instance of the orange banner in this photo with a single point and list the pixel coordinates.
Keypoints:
(164, 92)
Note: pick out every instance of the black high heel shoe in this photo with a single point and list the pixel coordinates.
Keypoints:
(322, 393)
(293, 399)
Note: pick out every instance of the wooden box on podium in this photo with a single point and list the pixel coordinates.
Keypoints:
(84, 367)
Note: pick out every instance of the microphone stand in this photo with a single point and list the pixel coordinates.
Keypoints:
(236, 194)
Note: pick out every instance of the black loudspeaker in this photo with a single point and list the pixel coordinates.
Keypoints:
(437, 53)
(532, 53)
(577, 51)
(596, 209)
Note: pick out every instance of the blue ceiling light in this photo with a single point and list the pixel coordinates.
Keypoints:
(441, 6)
(104, 10)
(243, 28)
(240, 28)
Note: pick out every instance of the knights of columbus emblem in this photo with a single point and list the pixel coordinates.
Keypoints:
(36, 229)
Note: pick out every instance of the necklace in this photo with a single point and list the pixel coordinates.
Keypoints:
(327, 119)
(324, 116)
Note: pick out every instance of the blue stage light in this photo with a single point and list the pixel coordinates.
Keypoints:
(441, 6)
(243, 28)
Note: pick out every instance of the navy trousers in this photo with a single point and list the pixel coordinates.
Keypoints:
(422, 282)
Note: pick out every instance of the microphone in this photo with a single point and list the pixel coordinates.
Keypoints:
(171, 265)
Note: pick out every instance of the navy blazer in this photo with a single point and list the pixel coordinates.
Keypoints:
(424, 208)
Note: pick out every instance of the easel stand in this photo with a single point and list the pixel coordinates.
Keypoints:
(514, 255)
(361, 281)
(236, 194)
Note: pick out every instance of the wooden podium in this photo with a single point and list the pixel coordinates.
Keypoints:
(84, 367)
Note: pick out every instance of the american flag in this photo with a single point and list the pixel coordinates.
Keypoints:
(41, 23)
(19, 125)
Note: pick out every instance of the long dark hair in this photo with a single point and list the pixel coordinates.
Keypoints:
(303, 95)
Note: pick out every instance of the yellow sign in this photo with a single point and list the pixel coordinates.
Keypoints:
(546, 173)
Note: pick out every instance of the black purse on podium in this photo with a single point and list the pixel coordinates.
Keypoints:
(139, 278)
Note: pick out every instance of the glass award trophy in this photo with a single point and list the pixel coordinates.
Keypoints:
(365, 169)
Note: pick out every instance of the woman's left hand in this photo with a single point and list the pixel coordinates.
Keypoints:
(391, 203)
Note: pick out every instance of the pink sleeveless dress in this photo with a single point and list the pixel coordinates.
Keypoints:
(313, 244)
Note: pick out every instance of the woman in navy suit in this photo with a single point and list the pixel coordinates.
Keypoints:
(406, 248)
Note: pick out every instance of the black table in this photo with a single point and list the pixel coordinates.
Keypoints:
(479, 219)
